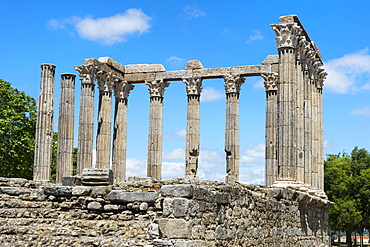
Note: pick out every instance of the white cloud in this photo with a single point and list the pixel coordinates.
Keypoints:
(176, 134)
(259, 84)
(211, 94)
(175, 154)
(212, 165)
(192, 12)
(350, 73)
(253, 155)
(108, 30)
(256, 35)
(135, 167)
(327, 144)
(362, 112)
(210, 158)
(176, 62)
(171, 170)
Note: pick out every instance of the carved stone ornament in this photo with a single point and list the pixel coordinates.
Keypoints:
(193, 85)
(87, 73)
(271, 80)
(157, 87)
(105, 81)
(122, 89)
(233, 83)
(321, 77)
(287, 34)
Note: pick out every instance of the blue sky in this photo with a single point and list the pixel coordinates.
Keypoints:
(219, 34)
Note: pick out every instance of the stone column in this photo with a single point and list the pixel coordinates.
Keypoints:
(320, 83)
(86, 120)
(44, 125)
(287, 34)
(232, 143)
(193, 89)
(121, 92)
(103, 138)
(270, 83)
(156, 91)
(66, 127)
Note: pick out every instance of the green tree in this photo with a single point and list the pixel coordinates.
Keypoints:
(17, 132)
(347, 184)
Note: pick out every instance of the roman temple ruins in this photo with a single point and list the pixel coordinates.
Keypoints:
(99, 207)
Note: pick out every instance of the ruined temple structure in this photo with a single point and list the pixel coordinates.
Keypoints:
(292, 210)
(294, 128)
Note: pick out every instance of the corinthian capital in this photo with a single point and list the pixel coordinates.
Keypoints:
(87, 73)
(321, 76)
(233, 83)
(157, 87)
(193, 85)
(105, 81)
(287, 34)
(122, 89)
(271, 80)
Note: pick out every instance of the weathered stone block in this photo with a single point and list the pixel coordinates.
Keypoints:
(181, 190)
(167, 206)
(123, 196)
(174, 228)
(71, 181)
(14, 191)
(58, 190)
(222, 198)
(193, 64)
(81, 191)
(94, 206)
(203, 194)
(92, 176)
(180, 207)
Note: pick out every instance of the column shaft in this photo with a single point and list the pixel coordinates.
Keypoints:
(66, 127)
(300, 123)
(121, 91)
(44, 125)
(232, 136)
(271, 80)
(287, 144)
(86, 119)
(103, 138)
(193, 87)
(154, 163)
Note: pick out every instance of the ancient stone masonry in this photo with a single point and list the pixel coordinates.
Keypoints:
(154, 213)
(66, 127)
(294, 128)
(299, 110)
(44, 125)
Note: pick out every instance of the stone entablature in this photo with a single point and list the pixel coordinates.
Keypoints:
(154, 213)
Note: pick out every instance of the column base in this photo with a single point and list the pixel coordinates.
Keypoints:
(192, 177)
(231, 179)
(300, 187)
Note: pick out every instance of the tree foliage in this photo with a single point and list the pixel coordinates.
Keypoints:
(17, 132)
(347, 184)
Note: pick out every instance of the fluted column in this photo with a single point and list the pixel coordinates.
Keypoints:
(287, 35)
(86, 119)
(193, 89)
(44, 125)
(232, 143)
(320, 83)
(66, 127)
(154, 163)
(271, 168)
(103, 138)
(121, 92)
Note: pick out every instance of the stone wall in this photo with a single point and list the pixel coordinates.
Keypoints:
(146, 212)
